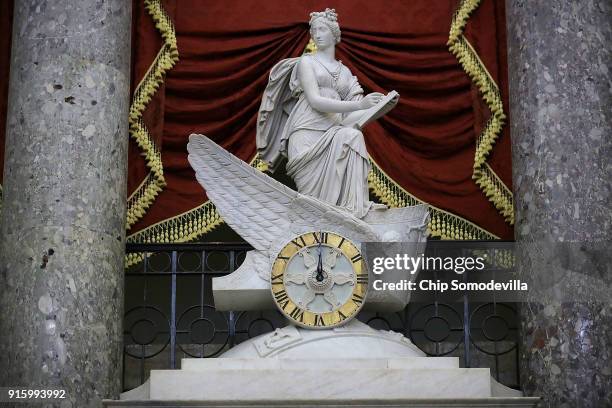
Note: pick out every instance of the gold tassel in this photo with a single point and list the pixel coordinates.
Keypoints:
(141, 199)
(442, 223)
(498, 193)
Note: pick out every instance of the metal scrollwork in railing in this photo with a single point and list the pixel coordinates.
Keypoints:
(170, 315)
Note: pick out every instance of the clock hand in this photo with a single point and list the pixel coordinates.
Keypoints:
(320, 275)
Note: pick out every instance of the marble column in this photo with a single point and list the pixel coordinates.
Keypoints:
(62, 231)
(559, 61)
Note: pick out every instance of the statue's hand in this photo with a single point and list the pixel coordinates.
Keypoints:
(394, 100)
(370, 100)
(390, 105)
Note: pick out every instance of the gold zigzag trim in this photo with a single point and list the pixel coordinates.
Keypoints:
(442, 223)
(489, 182)
(166, 58)
(184, 227)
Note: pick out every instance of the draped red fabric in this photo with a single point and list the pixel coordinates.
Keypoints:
(426, 143)
(227, 49)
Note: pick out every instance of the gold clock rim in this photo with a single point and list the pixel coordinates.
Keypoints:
(285, 260)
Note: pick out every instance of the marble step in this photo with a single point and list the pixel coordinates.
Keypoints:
(410, 382)
(206, 364)
(522, 402)
(337, 383)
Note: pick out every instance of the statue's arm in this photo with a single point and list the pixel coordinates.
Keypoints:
(359, 119)
(308, 81)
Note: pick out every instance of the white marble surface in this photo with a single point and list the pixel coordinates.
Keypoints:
(320, 383)
(268, 214)
(403, 403)
(247, 288)
(208, 364)
(353, 340)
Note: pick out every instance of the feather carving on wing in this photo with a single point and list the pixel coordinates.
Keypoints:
(264, 212)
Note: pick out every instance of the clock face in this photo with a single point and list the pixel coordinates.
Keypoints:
(319, 280)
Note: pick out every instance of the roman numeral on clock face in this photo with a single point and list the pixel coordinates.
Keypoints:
(324, 237)
(277, 279)
(319, 320)
(341, 242)
(357, 299)
(299, 242)
(297, 314)
(282, 298)
(320, 238)
(362, 278)
(356, 258)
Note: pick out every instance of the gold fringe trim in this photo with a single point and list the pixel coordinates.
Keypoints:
(496, 191)
(442, 223)
(140, 201)
(184, 227)
(484, 176)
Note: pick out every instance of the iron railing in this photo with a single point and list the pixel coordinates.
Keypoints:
(169, 314)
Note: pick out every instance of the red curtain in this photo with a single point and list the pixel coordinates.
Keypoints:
(426, 143)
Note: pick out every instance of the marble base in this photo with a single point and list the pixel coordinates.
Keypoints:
(208, 364)
(407, 381)
(369, 403)
(353, 365)
(302, 380)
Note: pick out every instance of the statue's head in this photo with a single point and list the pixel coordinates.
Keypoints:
(323, 24)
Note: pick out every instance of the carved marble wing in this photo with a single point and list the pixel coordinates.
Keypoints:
(266, 213)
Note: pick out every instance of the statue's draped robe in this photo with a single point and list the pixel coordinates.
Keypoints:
(325, 159)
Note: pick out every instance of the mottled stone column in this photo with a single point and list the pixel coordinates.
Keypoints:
(62, 230)
(559, 61)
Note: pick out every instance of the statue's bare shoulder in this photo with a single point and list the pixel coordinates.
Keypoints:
(305, 62)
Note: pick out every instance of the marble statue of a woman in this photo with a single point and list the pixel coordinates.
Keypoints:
(302, 115)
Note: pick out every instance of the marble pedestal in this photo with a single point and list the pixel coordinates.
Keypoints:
(407, 381)
(354, 365)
